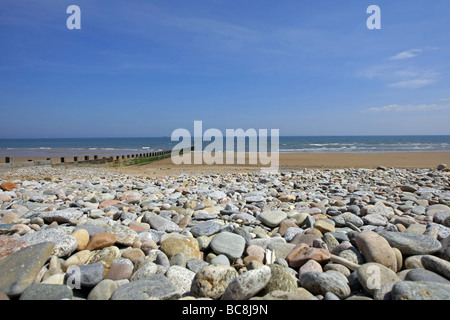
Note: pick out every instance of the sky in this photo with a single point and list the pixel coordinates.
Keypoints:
(143, 68)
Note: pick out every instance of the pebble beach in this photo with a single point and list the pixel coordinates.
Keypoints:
(301, 234)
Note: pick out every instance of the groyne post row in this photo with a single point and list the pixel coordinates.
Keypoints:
(119, 160)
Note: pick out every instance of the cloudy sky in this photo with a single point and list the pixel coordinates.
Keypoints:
(141, 68)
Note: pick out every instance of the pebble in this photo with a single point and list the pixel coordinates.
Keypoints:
(206, 228)
(133, 254)
(103, 290)
(43, 291)
(425, 275)
(411, 243)
(375, 248)
(10, 244)
(20, 268)
(272, 218)
(8, 186)
(120, 269)
(61, 216)
(155, 286)
(436, 264)
(230, 244)
(162, 224)
(280, 280)
(145, 271)
(212, 281)
(301, 254)
(82, 237)
(177, 243)
(64, 244)
(420, 290)
(182, 278)
(247, 284)
(323, 282)
(373, 276)
(91, 274)
(208, 236)
(324, 226)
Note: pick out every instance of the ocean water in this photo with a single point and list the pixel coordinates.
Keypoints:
(302, 144)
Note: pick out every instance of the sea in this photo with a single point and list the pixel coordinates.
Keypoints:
(71, 147)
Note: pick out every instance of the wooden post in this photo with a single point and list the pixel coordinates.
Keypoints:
(9, 159)
(86, 158)
(75, 159)
(62, 159)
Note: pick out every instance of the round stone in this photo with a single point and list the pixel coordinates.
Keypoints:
(230, 244)
(177, 243)
(272, 218)
(323, 282)
(82, 237)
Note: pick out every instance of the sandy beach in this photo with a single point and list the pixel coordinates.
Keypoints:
(420, 160)
(296, 161)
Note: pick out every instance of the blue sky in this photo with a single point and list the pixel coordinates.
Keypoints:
(141, 68)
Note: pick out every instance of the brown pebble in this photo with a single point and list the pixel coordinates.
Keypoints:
(101, 240)
(8, 186)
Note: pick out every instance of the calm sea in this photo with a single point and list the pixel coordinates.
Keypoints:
(317, 144)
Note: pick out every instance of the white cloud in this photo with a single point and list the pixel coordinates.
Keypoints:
(408, 108)
(406, 54)
(412, 84)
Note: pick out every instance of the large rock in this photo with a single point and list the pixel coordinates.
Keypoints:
(154, 286)
(19, 269)
(212, 281)
(247, 284)
(230, 244)
(375, 248)
(411, 243)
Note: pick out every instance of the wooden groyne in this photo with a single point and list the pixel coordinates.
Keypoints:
(91, 160)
